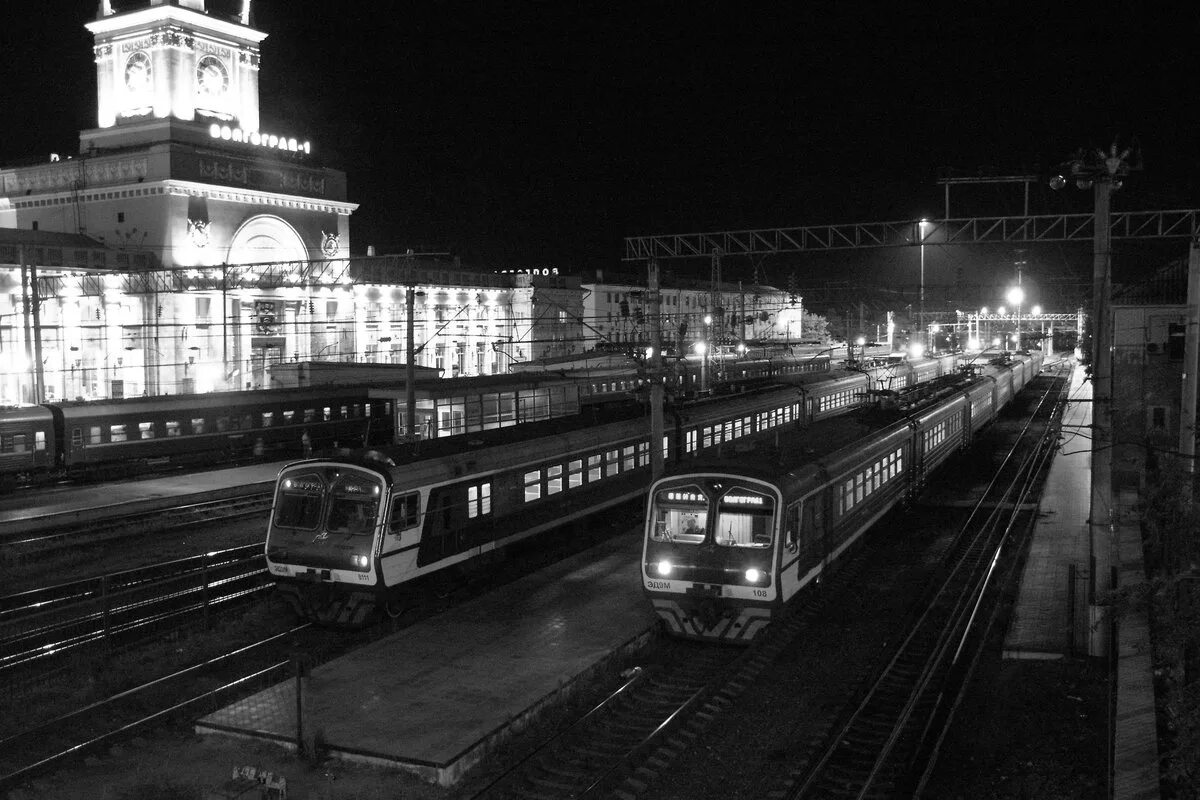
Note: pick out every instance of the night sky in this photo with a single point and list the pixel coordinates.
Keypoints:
(540, 134)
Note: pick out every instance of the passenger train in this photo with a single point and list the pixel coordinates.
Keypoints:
(73, 437)
(730, 540)
(355, 535)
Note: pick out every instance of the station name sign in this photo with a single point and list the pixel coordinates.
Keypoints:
(543, 271)
(257, 139)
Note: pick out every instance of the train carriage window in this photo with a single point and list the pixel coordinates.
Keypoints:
(345, 412)
(708, 437)
(643, 458)
(479, 500)
(575, 474)
(39, 440)
(172, 428)
(533, 485)
(593, 468)
(298, 504)
(268, 419)
(612, 463)
(554, 482)
(327, 413)
(94, 435)
(146, 430)
(691, 441)
(628, 459)
(117, 433)
(197, 425)
(744, 518)
(288, 417)
(247, 422)
(680, 514)
(310, 415)
(405, 513)
(222, 424)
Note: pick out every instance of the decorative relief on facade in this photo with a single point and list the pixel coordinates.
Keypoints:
(329, 244)
(248, 56)
(300, 182)
(224, 171)
(103, 51)
(198, 232)
(65, 176)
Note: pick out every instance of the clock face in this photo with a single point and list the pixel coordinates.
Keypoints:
(212, 77)
(137, 73)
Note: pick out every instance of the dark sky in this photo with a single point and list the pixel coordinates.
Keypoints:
(540, 134)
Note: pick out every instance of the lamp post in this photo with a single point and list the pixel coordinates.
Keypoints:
(1016, 296)
(921, 239)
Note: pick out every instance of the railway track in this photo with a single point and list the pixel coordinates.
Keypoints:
(44, 626)
(23, 543)
(897, 722)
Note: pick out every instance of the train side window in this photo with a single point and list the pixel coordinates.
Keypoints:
(39, 440)
(222, 424)
(268, 419)
(327, 413)
(479, 500)
(197, 424)
(247, 422)
(628, 460)
(146, 430)
(310, 415)
(575, 474)
(405, 513)
(612, 463)
(643, 451)
(792, 527)
(288, 417)
(94, 435)
(593, 468)
(117, 433)
(533, 485)
(554, 483)
(76, 437)
(14, 443)
(171, 427)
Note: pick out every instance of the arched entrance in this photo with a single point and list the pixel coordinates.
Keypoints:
(261, 239)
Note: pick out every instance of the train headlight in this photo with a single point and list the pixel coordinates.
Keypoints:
(361, 561)
(752, 575)
(663, 567)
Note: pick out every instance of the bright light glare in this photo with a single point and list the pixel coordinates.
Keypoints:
(983, 310)
(973, 344)
(1036, 310)
(649, 352)
(663, 567)
(708, 319)
(700, 348)
(753, 575)
(916, 349)
(1000, 310)
(1016, 295)
(860, 341)
(996, 342)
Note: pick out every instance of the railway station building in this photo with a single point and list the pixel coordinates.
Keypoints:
(183, 248)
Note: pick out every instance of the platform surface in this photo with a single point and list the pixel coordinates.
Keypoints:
(432, 697)
(19, 508)
(1041, 625)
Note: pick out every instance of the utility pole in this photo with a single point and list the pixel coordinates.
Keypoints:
(657, 430)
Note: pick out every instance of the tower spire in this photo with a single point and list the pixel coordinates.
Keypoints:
(246, 12)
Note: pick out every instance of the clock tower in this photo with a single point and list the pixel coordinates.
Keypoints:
(172, 60)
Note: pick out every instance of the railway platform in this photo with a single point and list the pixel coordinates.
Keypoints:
(1057, 615)
(435, 698)
(47, 509)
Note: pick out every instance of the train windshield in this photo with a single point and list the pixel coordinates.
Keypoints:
(680, 515)
(353, 506)
(298, 504)
(744, 518)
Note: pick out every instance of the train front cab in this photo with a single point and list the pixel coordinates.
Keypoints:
(709, 555)
(322, 540)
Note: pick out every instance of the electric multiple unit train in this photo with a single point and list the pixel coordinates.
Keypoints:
(730, 540)
(351, 536)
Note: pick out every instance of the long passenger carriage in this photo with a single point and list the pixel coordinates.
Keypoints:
(729, 541)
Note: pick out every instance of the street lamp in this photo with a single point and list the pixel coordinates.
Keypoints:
(921, 239)
(1016, 296)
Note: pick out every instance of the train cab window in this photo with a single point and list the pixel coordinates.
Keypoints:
(298, 504)
(146, 430)
(680, 514)
(117, 433)
(353, 506)
(172, 427)
(198, 425)
(268, 419)
(744, 518)
(405, 513)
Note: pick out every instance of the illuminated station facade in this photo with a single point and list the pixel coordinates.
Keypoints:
(185, 249)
